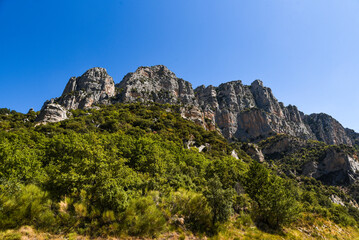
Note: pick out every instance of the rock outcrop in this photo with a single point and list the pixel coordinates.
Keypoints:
(331, 164)
(328, 130)
(250, 112)
(52, 112)
(95, 86)
(336, 168)
(254, 152)
(281, 145)
(247, 113)
(158, 84)
(353, 136)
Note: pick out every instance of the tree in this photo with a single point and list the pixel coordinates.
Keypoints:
(219, 199)
(274, 196)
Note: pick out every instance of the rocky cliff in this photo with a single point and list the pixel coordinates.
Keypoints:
(328, 130)
(238, 111)
(336, 168)
(156, 84)
(250, 112)
(95, 86)
(331, 164)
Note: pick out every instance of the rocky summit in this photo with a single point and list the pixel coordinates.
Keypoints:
(237, 111)
(95, 86)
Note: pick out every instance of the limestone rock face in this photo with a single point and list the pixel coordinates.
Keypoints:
(95, 86)
(333, 165)
(336, 168)
(337, 200)
(52, 112)
(328, 130)
(156, 84)
(283, 145)
(250, 112)
(353, 136)
(254, 152)
(264, 99)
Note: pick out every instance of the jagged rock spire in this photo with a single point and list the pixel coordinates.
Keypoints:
(95, 86)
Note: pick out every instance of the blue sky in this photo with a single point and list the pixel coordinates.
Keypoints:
(307, 51)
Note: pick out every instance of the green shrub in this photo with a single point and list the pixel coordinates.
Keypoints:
(340, 215)
(11, 236)
(243, 220)
(242, 203)
(193, 208)
(100, 168)
(28, 206)
(143, 218)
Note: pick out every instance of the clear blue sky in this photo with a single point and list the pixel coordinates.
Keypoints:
(307, 51)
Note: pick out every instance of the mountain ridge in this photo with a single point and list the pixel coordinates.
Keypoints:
(237, 111)
(126, 162)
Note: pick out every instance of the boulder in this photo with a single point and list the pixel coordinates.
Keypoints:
(51, 112)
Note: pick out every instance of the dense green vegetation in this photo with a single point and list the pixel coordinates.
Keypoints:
(133, 169)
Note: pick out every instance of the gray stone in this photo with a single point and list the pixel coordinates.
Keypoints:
(234, 154)
(354, 137)
(95, 86)
(328, 130)
(336, 168)
(52, 112)
(254, 152)
(337, 200)
(156, 84)
(250, 112)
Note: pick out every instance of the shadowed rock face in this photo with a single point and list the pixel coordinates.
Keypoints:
(236, 110)
(337, 168)
(353, 136)
(333, 165)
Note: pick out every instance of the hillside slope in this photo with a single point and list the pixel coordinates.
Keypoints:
(151, 157)
(143, 170)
